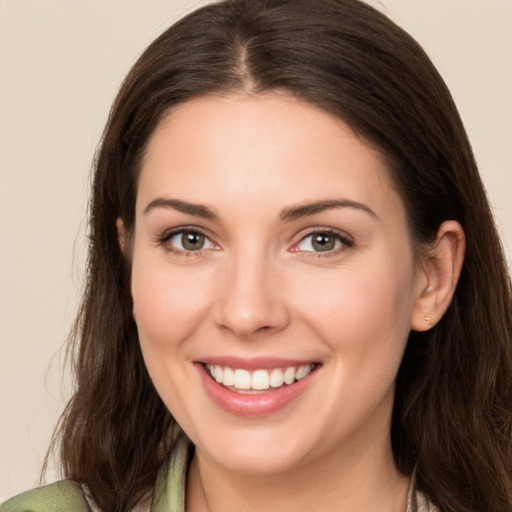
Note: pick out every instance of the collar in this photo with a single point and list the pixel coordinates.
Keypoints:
(171, 484)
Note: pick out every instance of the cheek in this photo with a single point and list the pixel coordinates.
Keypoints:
(168, 303)
(359, 310)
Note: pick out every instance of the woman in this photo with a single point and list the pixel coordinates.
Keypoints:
(293, 259)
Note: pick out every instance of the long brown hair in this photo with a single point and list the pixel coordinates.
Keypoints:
(453, 408)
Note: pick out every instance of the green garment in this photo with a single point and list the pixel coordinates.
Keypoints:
(66, 496)
(63, 496)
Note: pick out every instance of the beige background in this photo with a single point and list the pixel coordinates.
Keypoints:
(61, 62)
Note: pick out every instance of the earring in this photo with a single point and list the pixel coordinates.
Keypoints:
(428, 320)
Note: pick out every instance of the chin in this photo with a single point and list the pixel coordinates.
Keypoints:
(256, 452)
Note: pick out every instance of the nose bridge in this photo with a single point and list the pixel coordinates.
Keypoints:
(250, 300)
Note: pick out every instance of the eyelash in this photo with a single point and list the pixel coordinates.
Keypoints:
(346, 242)
(164, 239)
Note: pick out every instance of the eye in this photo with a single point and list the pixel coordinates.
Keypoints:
(189, 240)
(322, 241)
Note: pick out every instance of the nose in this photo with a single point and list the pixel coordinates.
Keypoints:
(251, 299)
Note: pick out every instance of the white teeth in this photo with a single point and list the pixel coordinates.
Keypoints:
(302, 371)
(258, 380)
(289, 375)
(242, 379)
(218, 374)
(229, 377)
(276, 378)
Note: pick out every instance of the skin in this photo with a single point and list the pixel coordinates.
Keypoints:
(259, 288)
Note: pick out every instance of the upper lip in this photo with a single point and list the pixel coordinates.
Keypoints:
(254, 363)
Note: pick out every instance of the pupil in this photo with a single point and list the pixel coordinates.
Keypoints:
(192, 241)
(323, 242)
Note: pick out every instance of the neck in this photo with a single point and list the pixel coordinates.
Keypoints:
(364, 478)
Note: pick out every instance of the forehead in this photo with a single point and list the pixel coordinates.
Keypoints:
(244, 148)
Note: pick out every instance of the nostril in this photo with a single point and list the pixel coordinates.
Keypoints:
(264, 328)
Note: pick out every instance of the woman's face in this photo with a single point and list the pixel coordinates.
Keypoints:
(271, 251)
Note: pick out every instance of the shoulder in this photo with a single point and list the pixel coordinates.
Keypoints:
(61, 496)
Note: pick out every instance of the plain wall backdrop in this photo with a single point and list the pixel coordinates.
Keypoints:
(61, 62)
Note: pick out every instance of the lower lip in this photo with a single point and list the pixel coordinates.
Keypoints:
(252, 405)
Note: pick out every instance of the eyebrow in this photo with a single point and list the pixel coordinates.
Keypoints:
(303, 210)
(287, 214)
(197, 210)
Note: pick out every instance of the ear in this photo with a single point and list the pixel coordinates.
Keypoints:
(121, 234)
(440, 271)
(124, 244)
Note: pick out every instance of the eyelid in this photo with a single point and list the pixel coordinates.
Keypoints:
(163, 239)
(346, 240)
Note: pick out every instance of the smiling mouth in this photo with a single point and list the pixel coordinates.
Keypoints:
(260, 380)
